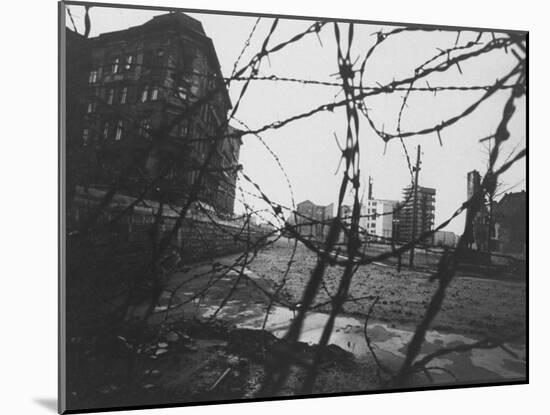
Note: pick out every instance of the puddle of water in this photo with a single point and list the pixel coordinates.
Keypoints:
(390, 344)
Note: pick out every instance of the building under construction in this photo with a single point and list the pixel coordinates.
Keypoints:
(425, 213)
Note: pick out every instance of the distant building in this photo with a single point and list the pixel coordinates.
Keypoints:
(445, 239)
(478, 238)
(377, 219)
(127, 88)
(498, 227)
(312, 221)
(473, 184)
(509, 234)
(425, 213)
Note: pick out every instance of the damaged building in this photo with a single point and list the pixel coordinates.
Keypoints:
(312, 221)
(147, 113)
(500, 226)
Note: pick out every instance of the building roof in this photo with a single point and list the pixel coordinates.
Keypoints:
(515, 197)
(161, 22)
(383, 200)
(307, 201)
(180, 22)
(510, 205)
(429, 190)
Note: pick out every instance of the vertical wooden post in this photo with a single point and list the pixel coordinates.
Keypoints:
(415, 202)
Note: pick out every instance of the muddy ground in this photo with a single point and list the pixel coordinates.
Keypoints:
(473, 305)
(197, 361)
(194, 349)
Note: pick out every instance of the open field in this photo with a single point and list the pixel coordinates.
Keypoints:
(473, 305)
(208, 335)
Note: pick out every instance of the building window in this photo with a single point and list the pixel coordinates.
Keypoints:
(204, 113)
(129, 62)
(154, 93)
(171, 175)
(154, 61)
(145, 127)
(182, 130)
(182, 92)
(118, 134)
(106, 130)
(90, 108)
(116, 65)
(110, 96)
(144, 94)
(92, 78)
(85, 136)
(124, 95)
(211, 83)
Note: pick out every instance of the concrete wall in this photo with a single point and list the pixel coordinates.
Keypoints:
(201, 236)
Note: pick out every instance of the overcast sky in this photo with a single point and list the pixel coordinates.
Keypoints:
(307, 148)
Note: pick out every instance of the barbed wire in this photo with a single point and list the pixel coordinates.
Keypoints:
(349, 255)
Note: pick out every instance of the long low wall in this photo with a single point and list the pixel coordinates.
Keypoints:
(128, 231)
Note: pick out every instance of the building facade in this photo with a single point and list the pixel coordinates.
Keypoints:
(499, 226)
(375, 222)
(147, 111)
(377, 218)
(312, 221)
(445, 239)
(509, 235)
(425, 213)
(478, 237)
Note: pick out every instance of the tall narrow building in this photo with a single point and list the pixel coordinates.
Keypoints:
(478, 236)
(425, 212)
